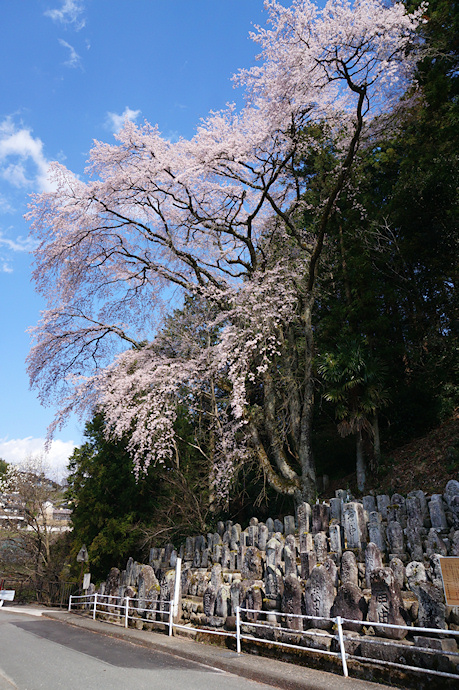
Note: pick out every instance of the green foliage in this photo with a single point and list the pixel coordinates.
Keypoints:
(354, 384)
(390, 272)
(117, 516)
(107, 502)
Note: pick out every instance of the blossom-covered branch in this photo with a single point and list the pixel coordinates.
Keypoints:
(219, 217)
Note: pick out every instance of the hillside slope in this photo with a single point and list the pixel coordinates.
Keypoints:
(426, 463)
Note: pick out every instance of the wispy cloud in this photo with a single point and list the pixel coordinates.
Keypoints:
(74, 59)
(70, 12)
(7, 246)
(22, 160)
(24, 168)
(114, 122)
(20, 244)
(172, 135)
(16, 451)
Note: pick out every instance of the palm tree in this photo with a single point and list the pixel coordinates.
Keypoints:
(354, 383)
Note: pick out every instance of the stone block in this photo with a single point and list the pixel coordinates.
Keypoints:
(303, 517)
(349, 569)
(383, 501)
(321, 546)
(308, 561)
(289, 525)
(437, 513)
(350, 603)
(386, 605)
(291, 602)
(319, 595)
(373, 561)
(252, 566)
(320, 517)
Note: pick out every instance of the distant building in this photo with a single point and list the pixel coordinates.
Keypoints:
(56, 518)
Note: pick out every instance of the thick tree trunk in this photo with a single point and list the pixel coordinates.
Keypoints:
(360, 463)
(376, 441)
(287, 487)
(308, 471)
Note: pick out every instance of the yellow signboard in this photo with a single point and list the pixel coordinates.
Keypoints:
(450, 574)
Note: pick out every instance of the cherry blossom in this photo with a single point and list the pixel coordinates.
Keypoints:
(218, 218)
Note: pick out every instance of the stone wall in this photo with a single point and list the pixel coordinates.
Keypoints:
(374, 560)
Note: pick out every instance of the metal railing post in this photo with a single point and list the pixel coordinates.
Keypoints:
(238, 630)
(177, 585)
(70, 602)
(126, 615)
(341, 645)
(171, 617)
(95, 607)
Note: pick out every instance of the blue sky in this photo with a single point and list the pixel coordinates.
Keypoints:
(71, 70)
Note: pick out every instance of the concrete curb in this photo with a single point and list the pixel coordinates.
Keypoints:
(278, 674)
(29, 610)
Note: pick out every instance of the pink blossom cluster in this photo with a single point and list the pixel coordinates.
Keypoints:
(214, 217)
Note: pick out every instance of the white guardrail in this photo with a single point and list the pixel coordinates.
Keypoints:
(161, 611)
(121, 607)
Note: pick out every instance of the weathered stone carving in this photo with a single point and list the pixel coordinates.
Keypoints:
(349, 570)
(383, 501)
(395, 538)
(308, 560)
(376, 532)
(273, 566)
(386, 604)
(336, 543)
(396, 510)
(291, 602)
(353, 525)
(437, 513)
(320, 517)
(208, 600)
(303, 516)
(373, 561)
(350, 603)
(290, 556)
(289, 525)
(435, 544)
(252, 568)
(319, 595)
(432, 609)
(254, 601)
(321, 546)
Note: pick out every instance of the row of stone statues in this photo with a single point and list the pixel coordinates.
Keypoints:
(375, 560)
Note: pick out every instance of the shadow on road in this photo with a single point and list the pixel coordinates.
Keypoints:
(106, 649)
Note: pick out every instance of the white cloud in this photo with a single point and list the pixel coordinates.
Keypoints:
(5, 205)
(172, 135)
(115, 122)
(74, 59)
(69, 13)
(22, 160)
(19, 244)
(16, 451)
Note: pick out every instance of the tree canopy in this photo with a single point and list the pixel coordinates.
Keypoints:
(239, 219)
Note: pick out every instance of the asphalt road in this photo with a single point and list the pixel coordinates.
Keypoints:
(41, 653)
